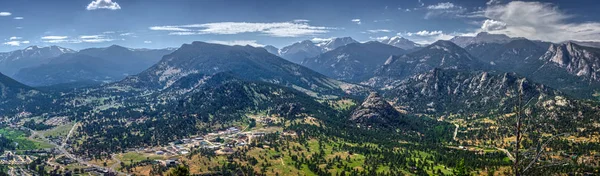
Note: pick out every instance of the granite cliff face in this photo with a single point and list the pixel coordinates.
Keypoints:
(375, 111)
(577, 60)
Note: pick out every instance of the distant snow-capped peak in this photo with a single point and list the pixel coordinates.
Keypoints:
(401, 42)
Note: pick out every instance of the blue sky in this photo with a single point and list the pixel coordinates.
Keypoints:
(82, 24)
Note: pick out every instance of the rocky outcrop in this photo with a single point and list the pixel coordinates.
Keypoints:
(375, 111)
(578, 60)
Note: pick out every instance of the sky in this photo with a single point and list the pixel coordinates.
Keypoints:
(80, 24)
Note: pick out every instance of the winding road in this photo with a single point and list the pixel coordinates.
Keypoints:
(455, 132)
(62, 149)
(507, 153)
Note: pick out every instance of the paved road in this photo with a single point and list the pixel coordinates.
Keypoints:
(69, 135)
(455, 131)
(507, 153)
(72, 156)
(113, 156)
(62, 149)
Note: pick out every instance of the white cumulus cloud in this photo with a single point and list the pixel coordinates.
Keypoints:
(5, 13)
(103, 4)
(18, 18)
(147, 41)
(538, 21)
(15, 38)
(357, 21)
(492, 25)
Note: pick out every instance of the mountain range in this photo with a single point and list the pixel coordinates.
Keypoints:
(12, 62)
(299, 51)
(441, 54)
(95, 64)
(347, 89)
(402, 42)
(567, 67)
(353, 62)
(481, 38)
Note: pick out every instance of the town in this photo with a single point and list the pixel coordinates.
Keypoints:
(58, 158)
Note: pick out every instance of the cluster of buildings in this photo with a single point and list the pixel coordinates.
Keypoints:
(10, 158)
(222, 142)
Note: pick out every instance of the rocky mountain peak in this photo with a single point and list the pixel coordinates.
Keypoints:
(578, 60)
(375, 110)
(482, 37)
(272, 49)
(335, 43)
(401, 42)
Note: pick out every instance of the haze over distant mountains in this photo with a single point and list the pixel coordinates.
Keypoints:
(340, 85)
(309, 87)
(569, 67)
(55, 65)
(297, 52)
(12, 62)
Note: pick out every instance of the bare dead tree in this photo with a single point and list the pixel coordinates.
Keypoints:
(519, 133)
(518, 110)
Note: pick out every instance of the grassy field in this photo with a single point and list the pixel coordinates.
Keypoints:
(344, 104)
(62, 130)
(136, 157)
(24, 143)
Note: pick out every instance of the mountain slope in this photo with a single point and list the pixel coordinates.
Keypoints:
(222, 93)
(441, 54)
(11, 88)
(271, 49)
(299, 51)
(245, 62)
(69, 68)
(335, 43)
(91, 65)
(453, 91)
(132, 61)
(16, 97)
(219, 98)
(577, 60)
(353, 62)
(470, 95)
(375, 111)
(11, 62)
(518, 55)
(569, 70)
